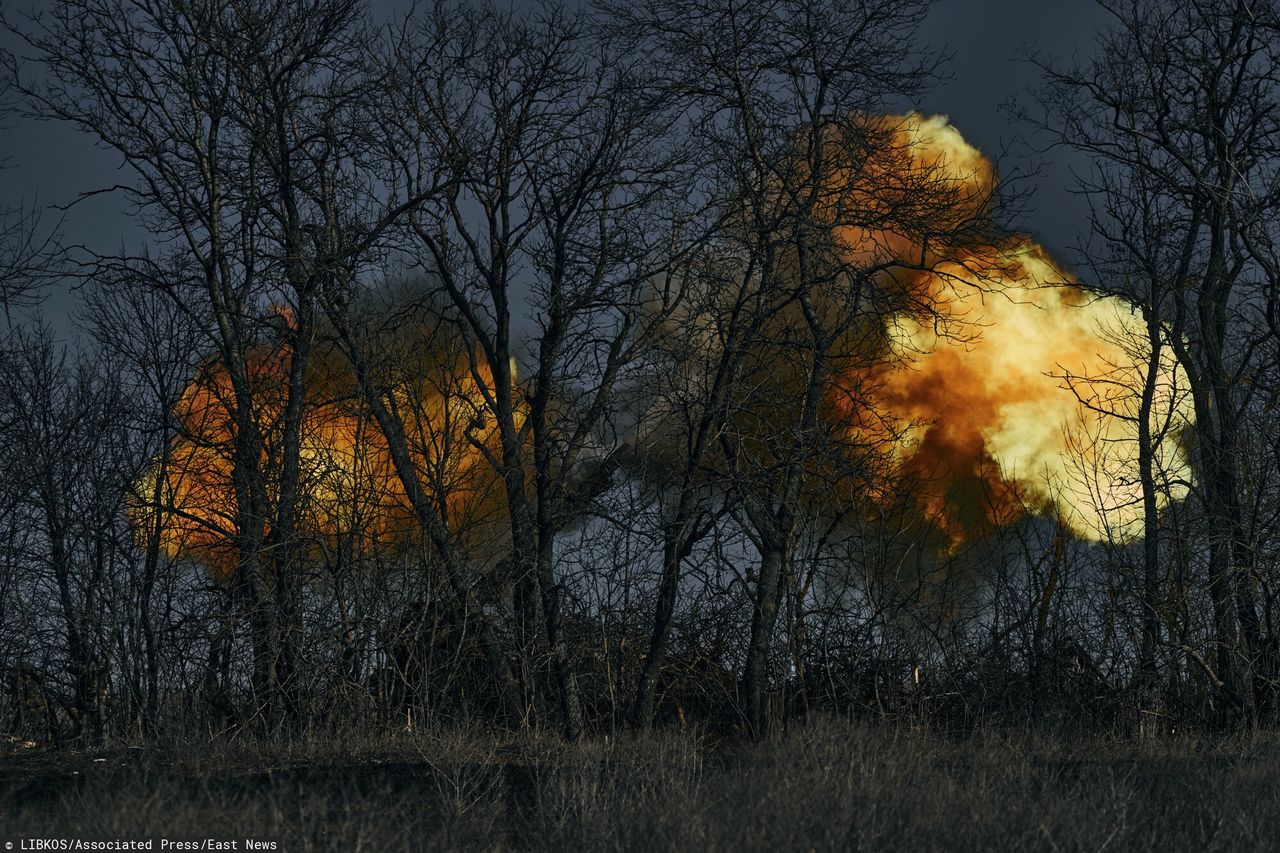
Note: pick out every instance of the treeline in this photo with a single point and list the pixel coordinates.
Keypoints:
(532, 367)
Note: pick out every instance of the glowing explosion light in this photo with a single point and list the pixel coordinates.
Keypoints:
(350, 490)
(992, 426)
(982, 424)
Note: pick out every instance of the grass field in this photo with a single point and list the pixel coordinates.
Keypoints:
(829, 786)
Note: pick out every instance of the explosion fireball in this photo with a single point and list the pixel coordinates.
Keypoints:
(350, 494)
(1014, 391)
(1020, 391)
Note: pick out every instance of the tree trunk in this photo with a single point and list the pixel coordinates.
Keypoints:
(764, 618)
(288, 630)
(676, 547)
(1148, 671)
(561, 661)
(439, 535)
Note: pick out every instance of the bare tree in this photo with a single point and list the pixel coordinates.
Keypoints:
(64, 449)
(157, 345)
(1179, 111)
(30, 245)
(547, 183)
(788, 99)
(241, 126)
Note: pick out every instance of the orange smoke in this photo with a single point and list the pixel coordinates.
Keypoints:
(983, 424)
(350, 494)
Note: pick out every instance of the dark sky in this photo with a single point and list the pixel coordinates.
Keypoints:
(53, 163)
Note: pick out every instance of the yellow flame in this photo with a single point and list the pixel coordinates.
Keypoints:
(985, 379)
(1019, 390)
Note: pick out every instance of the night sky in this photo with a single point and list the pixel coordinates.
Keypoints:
(52, 163)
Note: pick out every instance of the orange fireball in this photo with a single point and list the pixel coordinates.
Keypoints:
(349, 491)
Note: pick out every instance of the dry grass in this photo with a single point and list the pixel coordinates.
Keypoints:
(829, 786)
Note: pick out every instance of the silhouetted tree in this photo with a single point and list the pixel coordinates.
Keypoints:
(241, 127)
(1179, 112)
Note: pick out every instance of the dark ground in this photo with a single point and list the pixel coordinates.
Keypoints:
(830, 786)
